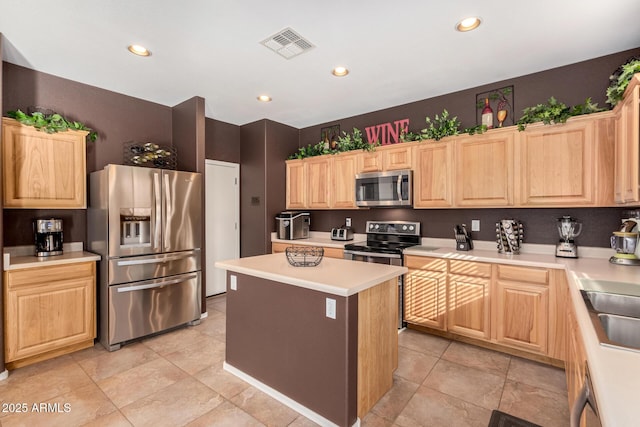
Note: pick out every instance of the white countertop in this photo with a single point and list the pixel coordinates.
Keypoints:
(334, 276)
(319, 238)
(21, 257)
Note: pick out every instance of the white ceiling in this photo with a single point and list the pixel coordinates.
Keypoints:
(397, 51)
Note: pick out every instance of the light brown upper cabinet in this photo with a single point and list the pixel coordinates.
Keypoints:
(484, 169)
(432, 174)
(41, 170)
(386, 158)
(343, 182)
(319, 175)
(566, 164)
(627, 150)
(296, 184)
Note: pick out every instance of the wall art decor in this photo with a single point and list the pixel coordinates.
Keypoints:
(329, 136)
(496, 107)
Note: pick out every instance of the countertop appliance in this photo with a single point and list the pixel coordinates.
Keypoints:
(342, 233)
(385, 242)
(146, 225)
(625, 242)
(48, 236)
(293, 225)
(568, 228)
(390, 188)
(509, 235)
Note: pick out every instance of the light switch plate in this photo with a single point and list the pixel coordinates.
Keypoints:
(331, 308)
(233, 282)
(475, 225)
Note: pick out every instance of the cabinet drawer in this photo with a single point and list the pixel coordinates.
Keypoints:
(425, 263)
(523, 274)
(470, 268)
(333, 253)
(46, 275)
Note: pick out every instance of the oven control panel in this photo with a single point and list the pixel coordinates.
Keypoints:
(406, 228)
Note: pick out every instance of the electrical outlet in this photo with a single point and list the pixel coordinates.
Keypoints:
(475, 225)
(233, 282)
(347, 222)
(331, 308)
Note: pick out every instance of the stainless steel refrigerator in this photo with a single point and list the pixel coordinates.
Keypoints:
(146, 224)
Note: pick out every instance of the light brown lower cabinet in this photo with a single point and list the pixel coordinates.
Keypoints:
(49, 311)
(511, 307)
(575, 364)
(328, 251)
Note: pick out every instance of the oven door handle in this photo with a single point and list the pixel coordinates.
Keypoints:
(157, 284)
(372, 254)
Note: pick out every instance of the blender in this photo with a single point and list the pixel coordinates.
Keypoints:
(568, 228)
(625, 242)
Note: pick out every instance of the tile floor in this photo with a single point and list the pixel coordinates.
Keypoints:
(176, 379)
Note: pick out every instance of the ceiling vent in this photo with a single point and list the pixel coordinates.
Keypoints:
(287, 43)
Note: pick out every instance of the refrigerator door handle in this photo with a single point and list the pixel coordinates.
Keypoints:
(157, 210)
(154, 260)
(157, 284)
(166, 207)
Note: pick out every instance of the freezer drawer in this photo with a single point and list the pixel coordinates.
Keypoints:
(142, 308)
(148, 267)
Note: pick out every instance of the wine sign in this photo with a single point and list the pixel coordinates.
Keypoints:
(387, 133)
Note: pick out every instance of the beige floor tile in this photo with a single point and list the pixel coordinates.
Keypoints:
(175, 340)
(88, 353)
(44, 384)
(20, 374)
(199, 355)
(424, 343)
(106, 364)
(221, 381)
(175, 405)
(394, 401)
(215, 326)
(537, 375)
(303, 422)
(373, 420)
(141, 381)
(75, 408)
(414, 366)
(469, 384)
(540, 406)
(218, 303)
(226, 415)
(114, 419)
(478, 358)
(431, 408)
(264, 408)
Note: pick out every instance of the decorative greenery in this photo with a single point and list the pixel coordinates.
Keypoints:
(475, 130)
(346, 142)
(620, 80)
(440, 127)
(555, 112)
(51, 123)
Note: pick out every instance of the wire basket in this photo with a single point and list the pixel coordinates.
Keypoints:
(304, 256)
(150, 155)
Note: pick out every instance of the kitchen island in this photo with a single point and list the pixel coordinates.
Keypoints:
(322, 340)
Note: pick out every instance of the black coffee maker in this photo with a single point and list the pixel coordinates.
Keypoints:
(48, 235)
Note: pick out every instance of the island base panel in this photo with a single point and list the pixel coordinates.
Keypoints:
(280, 335)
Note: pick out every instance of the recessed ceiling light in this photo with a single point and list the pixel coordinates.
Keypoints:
(468, 24)
(264, 98)
(136, 49)
(340, 71)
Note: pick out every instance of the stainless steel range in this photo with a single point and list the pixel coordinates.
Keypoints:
(385, 242)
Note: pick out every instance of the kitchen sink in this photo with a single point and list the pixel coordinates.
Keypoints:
(623, 305)
(621, 330)
(615, 317)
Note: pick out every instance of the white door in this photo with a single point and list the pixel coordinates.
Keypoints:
(222, 211)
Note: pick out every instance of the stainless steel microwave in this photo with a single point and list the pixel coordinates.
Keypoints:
(391, 188)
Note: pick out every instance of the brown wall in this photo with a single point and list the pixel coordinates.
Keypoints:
(279, 335)
(571, 84)
(1, 224)
(222, 141)
(264, 147)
